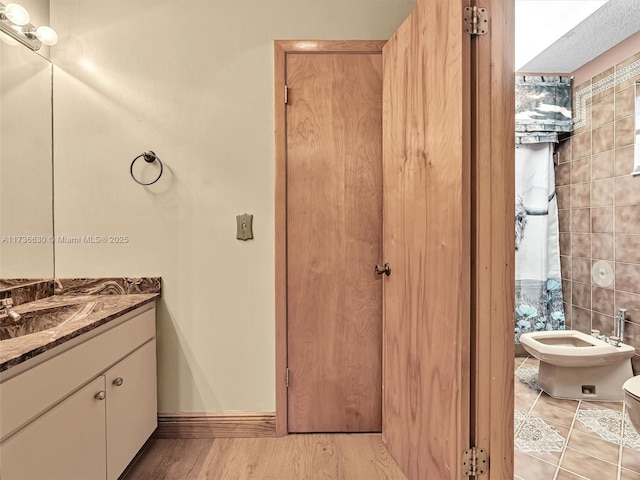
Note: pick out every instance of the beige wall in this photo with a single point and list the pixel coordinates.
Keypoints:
(192, 80)
(599, 204)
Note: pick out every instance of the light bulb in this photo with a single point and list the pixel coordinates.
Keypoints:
(47, 35)
(7, 39)
(17, 14)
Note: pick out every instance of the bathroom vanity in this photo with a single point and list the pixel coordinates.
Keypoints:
(78, 400)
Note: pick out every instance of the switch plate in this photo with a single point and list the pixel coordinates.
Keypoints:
(245, 226)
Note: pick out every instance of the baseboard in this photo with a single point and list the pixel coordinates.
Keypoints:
(215, 425)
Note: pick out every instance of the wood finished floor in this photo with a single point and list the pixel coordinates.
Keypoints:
(295, 457)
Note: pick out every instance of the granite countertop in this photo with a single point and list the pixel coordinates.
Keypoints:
(75, 306)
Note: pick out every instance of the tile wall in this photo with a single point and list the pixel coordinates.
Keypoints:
(599, 204)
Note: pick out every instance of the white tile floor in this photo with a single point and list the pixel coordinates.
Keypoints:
(569, 439)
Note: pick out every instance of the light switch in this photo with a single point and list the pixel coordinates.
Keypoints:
(245, 226)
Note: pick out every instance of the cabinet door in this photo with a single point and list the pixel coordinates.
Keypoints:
(132, 409)
(66, 443)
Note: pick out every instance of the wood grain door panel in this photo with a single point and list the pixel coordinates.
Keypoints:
(334, 239)
(426, 164)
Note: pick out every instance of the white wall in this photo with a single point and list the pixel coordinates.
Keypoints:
(192, 80)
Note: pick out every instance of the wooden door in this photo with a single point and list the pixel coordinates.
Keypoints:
(426, 163)
(333, 241)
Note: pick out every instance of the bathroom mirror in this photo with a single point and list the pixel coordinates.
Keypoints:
(26, 164)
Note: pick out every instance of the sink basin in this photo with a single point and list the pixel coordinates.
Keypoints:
(43, 319)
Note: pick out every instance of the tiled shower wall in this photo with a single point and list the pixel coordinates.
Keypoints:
(599, 204)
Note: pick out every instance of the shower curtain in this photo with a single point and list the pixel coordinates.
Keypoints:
(538, 282)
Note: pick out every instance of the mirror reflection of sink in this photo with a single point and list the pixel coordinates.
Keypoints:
(43, 319)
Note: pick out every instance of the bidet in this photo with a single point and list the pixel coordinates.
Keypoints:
(580, 366)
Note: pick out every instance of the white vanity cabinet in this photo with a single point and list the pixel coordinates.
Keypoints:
(57, 446)
(132, 411)
(106, 413)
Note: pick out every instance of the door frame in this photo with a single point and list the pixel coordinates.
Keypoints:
(493, 248)
(281, 48)
(492, 233)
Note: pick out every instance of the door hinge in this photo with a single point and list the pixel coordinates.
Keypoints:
(286, 378)
(476, 20)
(286, 95)
(475, 461)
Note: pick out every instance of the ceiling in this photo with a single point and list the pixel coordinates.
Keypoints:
(559, 36)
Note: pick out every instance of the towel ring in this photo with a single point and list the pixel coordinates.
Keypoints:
(148, 157)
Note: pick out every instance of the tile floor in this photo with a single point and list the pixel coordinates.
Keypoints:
(568, 439)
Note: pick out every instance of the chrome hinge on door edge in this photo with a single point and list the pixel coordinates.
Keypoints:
(476, 20)
(475, 461)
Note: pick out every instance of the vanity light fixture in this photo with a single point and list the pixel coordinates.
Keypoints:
(47, 35)
(17, 14)
(14, 23)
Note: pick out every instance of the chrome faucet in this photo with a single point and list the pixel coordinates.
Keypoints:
(618, 328)
(5, 309)
(5, 305)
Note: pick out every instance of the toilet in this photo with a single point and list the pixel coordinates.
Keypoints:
(632, 400)
(574, 365)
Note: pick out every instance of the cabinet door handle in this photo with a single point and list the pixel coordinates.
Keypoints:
(118, 381)
(100, 395)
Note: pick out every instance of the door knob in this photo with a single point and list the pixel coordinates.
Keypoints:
(118, 381)
(100, 395)
(386, 270)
